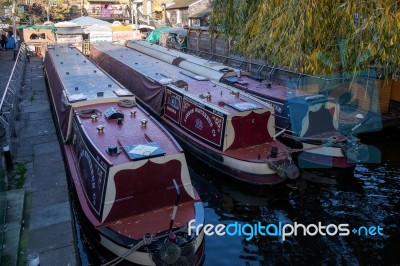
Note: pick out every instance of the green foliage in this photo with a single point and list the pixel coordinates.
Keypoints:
(20, 171)
(17, 179)
(6, 3)
(314, 36)
(36, 13)
(59, 13)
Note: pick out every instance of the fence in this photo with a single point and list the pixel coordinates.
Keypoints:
(9, 103)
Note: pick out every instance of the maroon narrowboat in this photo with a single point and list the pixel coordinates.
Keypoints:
(231, 131)
(309, 122)
(129, 177)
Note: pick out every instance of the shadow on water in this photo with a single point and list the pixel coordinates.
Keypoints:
(369, 198)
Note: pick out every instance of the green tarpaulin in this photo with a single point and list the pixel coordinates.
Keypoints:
(52, 28)
(154, 36)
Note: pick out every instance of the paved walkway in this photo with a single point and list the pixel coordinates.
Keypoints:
(46, 222)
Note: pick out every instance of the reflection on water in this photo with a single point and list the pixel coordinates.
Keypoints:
(370, 198)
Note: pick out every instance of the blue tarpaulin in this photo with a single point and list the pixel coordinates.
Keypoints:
(10, 43)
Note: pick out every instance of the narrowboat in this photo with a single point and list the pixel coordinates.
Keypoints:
(129, 177)
(308, 122)
(231, 131)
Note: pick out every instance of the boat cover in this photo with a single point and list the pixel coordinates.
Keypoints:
(150, 91)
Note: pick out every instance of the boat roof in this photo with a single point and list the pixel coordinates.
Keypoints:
(82, 79)
(222, 72)
(223, 99)
(211, 69)
(266, 88)
(89, 89)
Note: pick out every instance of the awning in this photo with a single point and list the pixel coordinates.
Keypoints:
(69, 31)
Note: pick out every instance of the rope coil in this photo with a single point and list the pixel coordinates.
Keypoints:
(126, 103)
(88, 113)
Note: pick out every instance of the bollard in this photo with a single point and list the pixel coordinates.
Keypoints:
(33, 259)
(7, 158)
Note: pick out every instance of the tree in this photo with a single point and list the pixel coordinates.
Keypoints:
(59, 12)
(36, 13)
(314, 36)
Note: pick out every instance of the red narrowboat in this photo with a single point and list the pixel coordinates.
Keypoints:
(231, 131)
(309, 122)
(129, 177)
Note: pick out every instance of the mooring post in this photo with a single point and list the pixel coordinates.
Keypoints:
(8, 158)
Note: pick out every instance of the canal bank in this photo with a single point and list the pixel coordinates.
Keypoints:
(38, 215)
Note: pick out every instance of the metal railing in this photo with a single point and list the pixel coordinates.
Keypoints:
(9, 101)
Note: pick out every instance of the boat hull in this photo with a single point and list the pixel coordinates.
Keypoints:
(103, 249)
(333, 166)
(217, 161)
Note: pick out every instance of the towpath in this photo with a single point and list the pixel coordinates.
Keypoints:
(38, 216)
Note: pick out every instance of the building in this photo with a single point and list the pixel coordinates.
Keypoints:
(182, 12)
(109, 9)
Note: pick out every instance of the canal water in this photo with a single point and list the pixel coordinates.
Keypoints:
(368, 199)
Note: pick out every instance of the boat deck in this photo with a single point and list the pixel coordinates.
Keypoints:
(257, 153)
(154, 221)
(128, 135)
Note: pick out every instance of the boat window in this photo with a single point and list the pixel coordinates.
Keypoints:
(245, 106)
(35, 36)
(174, 102)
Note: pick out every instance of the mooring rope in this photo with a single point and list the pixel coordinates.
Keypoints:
(329, 142)
(136, 247)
